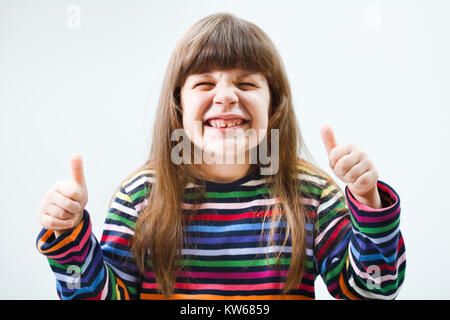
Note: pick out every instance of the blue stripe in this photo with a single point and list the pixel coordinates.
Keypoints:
(119, 252)
(371, 257)
(91, 288)
(234, 227)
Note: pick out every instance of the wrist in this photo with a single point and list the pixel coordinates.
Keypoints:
(76, 223)
(371, 199)
(58, 233)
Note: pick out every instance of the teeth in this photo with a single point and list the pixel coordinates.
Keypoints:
(224, 123)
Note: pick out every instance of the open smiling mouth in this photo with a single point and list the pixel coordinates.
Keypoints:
(224, 125)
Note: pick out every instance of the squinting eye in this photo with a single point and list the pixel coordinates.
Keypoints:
(247, 83)
(212, 84)
(207, 83)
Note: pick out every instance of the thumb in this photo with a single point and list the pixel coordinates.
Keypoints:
(76, 169)
(328, 138)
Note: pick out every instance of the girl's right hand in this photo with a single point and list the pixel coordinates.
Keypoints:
(63, 205)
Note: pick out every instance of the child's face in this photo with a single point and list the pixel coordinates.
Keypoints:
(243, 96)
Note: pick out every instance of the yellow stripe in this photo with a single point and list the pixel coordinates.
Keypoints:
(123, 196)
(310, 169)
(138, 173)
(307, 169)
(120, 287)
(327, 191)
(347, 261)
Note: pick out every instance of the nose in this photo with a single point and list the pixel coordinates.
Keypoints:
(226, 96)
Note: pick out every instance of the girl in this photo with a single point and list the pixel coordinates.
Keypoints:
(194, 229)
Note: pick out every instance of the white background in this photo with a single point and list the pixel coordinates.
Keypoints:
(377, 71)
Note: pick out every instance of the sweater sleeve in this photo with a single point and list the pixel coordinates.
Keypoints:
(88, 269)
(359, 251)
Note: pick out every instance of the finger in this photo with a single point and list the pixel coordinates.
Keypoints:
(69, 189)
(345, 163)
(76, 169)
(328, 138)
(337, 153)
(52, 223)
(57, 212)
(355, 172)
(365, 182)
(65, 203)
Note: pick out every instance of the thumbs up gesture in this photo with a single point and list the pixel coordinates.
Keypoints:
(63, 205)
(354, 168)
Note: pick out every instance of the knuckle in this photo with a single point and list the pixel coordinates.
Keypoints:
(353, 176)
(362, 155)
(74, 207)
(52, 211)
(364, 179)
(78, 207)
(333, 154)
(67, 204)
(76, 194)
(62, 199)
(333, 162)
(61, 213)
(345, 161)
(338, 168)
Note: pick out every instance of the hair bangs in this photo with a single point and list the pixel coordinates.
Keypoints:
(227, 45)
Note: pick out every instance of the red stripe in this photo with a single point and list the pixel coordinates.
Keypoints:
(115, 239)
(243, 287)
(310, 214)
(395, 266)
(228, 217)
(230, 287)
(333, 236)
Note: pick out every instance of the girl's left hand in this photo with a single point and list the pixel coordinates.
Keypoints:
(352, 165)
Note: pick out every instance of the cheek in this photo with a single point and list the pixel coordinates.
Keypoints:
(188, 106)
(193, 104)
(260, 114)
(192, 114)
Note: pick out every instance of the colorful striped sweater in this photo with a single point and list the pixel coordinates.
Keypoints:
(358, 251)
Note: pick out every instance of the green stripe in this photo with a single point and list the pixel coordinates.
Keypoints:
(56, 264)
(112, 282)
(234, 263)
(113, 216)
(138, 194)
(310, 189)
(334, 272)
(132, 290)
(375, 230)
(232, 194)
(331, 214)
(383, 289)
(244, 194)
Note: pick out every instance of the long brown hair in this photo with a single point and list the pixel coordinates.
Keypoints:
(218, 41)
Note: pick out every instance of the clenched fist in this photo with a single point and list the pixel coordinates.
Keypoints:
(353, 166)
(63, 205)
